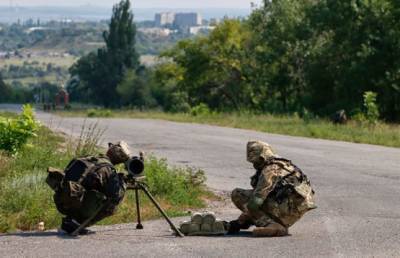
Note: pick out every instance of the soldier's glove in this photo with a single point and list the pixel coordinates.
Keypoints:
(255, 203)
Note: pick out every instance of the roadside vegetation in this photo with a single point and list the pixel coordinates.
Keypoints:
(286, 69)
(358, 130)
(290, 56)
(306, 57)
(26, 200)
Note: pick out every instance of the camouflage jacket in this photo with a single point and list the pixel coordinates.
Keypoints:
(276, 174)
(286, 191)
(87, 183)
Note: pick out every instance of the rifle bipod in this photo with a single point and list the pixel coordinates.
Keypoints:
(133, 184)
(137, 185)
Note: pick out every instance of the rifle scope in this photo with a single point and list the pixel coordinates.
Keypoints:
(135, 166)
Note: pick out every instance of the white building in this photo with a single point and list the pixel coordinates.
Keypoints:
(159, 32)
(198, 29)
(162, 19)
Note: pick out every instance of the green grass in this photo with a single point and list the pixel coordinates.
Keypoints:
(64, 62)
(380, 134)
(32, 80)
(26, 200)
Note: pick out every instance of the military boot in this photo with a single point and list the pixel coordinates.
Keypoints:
(272, 230)
(235, 226)
(69, 225)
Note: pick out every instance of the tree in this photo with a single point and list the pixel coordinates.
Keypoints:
(323, 55)
(101, 72)
(213, 68)
(135, 89)
(281, 39)
(120, 39)
(360, 54)
(5, 90)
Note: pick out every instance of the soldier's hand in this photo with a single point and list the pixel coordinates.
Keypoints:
(233, 227)
(255, 203)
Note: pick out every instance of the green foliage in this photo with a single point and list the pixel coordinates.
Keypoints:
(26, 200)
(199, 110)
(178, 103)
(287, 57)
(134, 90)
(100, 73)
(297, 125)
(99, 112)
(178, 185)
(371, 108)
(5, 90)
(165, 87)
(290, 56)
(15, 133)
(68, 107)
(89, 140)
(213, 69)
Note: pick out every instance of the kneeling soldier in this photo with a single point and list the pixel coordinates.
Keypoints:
(281, 194)
(89, 187)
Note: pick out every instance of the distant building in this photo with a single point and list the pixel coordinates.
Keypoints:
(214, 21)
(163, 19)
(32, 29)
(187, 19)
(182, 20)
(160, 32)
(198, 29)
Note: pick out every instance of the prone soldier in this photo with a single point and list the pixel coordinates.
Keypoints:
(281, 194)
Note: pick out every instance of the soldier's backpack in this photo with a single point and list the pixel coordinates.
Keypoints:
(78, 168)
(294, 183)
(71, 194)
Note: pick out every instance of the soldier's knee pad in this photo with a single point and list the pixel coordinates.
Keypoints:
(236, 195)
(235, 192)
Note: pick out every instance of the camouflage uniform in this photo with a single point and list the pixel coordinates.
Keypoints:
(101, 183)
(89, 186)
(284, 193)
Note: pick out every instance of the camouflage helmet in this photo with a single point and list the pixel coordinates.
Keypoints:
(118, 152)
(259, 152)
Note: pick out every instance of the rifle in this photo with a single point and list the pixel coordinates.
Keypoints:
(134, 181)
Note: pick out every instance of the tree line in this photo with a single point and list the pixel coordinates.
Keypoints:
(304, 56)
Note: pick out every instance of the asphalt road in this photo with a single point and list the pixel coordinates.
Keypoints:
(357, 192)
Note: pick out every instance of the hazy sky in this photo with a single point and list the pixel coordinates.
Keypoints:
(137, 3)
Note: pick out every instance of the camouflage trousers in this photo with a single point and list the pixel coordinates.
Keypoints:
(284, 213)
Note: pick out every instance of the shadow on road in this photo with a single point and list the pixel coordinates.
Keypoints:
(40, 234)
(241, 234)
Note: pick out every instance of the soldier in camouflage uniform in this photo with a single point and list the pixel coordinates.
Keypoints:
(89, 186)
(281, 194)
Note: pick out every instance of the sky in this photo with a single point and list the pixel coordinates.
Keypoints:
(137, 3)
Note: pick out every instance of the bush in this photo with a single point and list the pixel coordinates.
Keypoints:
(371, 108)
(14, 133)
(89, 140)
(181, 186)
(177, 103)
(99, 113)
(359, 117)
(25, 198)
(199, 110)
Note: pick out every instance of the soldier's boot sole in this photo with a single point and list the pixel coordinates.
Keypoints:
(272, 230)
